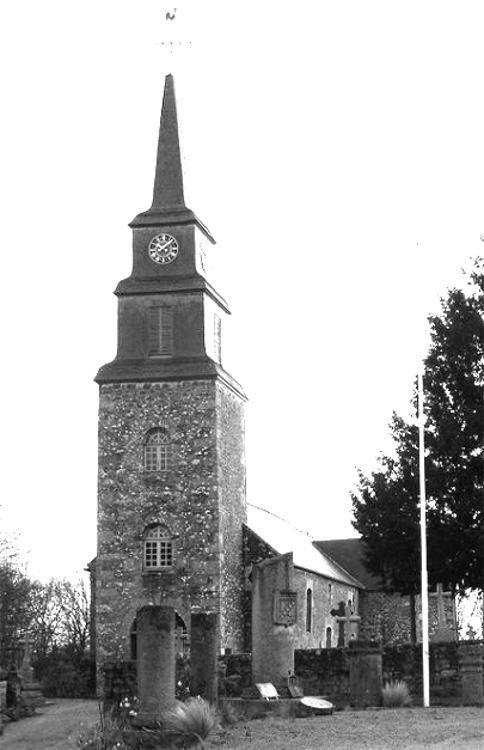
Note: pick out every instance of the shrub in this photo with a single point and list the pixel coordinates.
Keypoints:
(192, 721)
(104, 736)
(396, 695)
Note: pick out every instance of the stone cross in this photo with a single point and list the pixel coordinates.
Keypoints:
(351, 621)
(442, 631)
(26, 671)
(347, 623)
(339, 614)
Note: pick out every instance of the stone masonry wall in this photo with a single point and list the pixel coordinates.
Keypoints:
(188, 499)
(326, 672)
(387, 616)
(231, 478)
(326, 596)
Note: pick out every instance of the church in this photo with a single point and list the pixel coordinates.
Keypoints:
(173, 525)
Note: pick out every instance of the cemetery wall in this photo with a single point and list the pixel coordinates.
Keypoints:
(326, 671)
(323, 672)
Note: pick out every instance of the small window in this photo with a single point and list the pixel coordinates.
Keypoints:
(160, 331)
(157, 451)
(158, 548)
(309, 610)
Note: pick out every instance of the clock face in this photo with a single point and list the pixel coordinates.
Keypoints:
(163, 249)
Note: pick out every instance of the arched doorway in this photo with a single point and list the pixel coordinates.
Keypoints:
(182, 638)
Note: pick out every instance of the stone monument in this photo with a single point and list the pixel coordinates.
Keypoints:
(470, 664)
(156, 661)
(443, 632)
(205, 638)
(366, 674)
(31, 690)
(274, 616)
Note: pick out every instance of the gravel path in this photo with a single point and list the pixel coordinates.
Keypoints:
(55, 726)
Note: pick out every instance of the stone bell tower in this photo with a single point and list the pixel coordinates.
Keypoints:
(171, 493)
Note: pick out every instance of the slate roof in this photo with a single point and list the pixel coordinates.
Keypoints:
(349, 554)
(283, 538)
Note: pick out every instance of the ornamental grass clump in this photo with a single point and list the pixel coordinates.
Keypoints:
(396, 695)
(191, 722)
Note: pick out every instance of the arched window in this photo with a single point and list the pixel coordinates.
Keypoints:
(309, 610)
(158, 548)
(157, 450)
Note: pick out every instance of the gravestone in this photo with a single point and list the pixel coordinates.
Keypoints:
(470, 666)
(274, 616)
(156, 661)
(31, 690)
(366, 674)
(442, 631)
(204, 642)
(3, 702)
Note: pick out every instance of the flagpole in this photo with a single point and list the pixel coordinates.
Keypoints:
(423, 547)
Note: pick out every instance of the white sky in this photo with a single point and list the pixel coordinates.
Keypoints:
(335, 151)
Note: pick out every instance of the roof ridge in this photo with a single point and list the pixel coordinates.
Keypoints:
(270, 513)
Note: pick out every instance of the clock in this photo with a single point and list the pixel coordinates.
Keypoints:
(163, 249)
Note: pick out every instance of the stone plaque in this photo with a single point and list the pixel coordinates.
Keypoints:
(285, 608)
(267, 691)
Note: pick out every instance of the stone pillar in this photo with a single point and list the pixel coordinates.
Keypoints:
(31, 690)
(366, 675)
(156, 661)
(204, 651)
(3, 702)
(274, 615)
(470, 665)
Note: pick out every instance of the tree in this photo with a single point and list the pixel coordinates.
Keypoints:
(15, 613)
(386, 504)
(454, 404)
(15, 599)
(61, 626)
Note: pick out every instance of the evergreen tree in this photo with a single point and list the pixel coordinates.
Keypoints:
(386, 504)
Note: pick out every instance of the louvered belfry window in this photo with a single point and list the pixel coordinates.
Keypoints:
(157, 450)
(158, 548)
(160, 326)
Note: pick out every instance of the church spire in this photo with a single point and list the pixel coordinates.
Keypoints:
(168, 187)
(168, 205)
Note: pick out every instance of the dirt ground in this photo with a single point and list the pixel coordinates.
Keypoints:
(58, 725)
